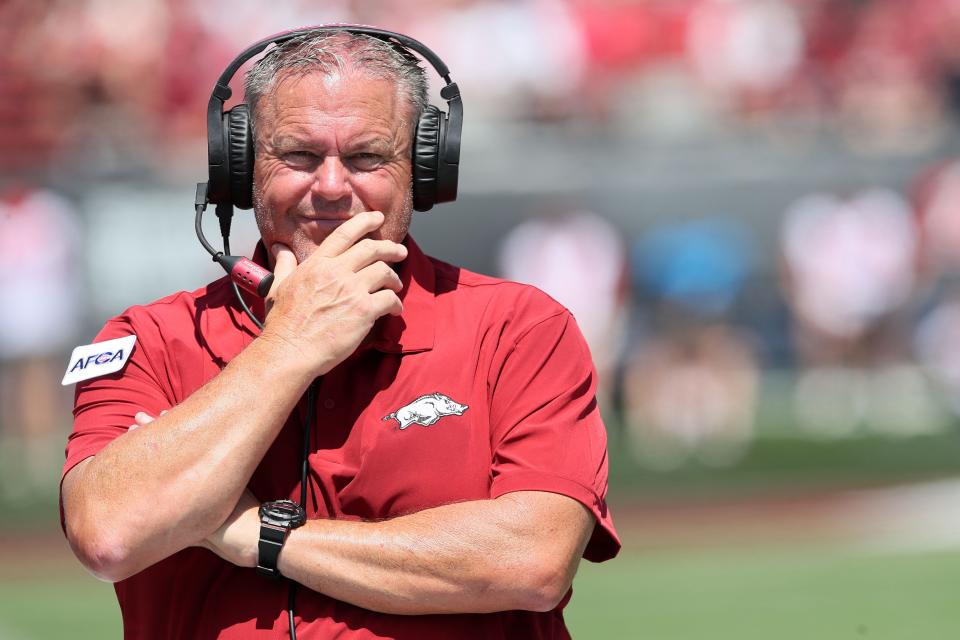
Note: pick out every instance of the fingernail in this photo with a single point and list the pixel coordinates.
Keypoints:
(276, 248)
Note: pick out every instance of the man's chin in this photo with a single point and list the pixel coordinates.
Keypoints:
(303, 248)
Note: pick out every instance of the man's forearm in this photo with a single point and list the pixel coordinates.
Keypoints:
(164, 487)
(517, 552)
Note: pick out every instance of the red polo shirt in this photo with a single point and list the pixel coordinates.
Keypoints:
(507, 351)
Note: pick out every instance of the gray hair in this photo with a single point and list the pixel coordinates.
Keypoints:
(333, 52)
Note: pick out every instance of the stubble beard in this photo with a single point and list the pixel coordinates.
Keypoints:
(395, 227)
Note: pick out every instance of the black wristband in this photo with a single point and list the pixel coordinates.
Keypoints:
(277, 518)
(271, 542)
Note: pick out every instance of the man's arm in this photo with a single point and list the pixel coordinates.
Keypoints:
(519, 551)
(155, 491)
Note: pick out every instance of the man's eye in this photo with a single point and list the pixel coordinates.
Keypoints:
(366, 161)
(299, 158)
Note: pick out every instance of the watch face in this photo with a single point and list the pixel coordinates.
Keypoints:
(284, 513)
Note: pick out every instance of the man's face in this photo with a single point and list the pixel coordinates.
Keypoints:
(328, 148)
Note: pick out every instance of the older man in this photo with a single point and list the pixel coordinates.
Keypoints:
(457, 460)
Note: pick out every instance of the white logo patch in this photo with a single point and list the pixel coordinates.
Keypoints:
(98, 359)
(426, 410)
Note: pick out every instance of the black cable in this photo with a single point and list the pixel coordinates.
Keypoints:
(311, 414)
(236, 289)
(291, 602)
(198, 227)
(246, 309)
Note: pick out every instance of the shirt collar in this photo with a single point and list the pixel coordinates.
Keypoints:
(410, 332)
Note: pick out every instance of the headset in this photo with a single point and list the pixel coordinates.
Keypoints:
(230, 154)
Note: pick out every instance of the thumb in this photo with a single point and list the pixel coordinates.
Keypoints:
(284, 261)
(284, 264)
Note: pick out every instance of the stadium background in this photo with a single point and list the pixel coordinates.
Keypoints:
(750, 206)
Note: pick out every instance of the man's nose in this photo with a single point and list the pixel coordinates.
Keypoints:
(331, 179)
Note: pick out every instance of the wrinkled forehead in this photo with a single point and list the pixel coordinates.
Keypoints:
(332, 89)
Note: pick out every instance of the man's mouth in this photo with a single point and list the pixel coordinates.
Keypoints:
(326, 217)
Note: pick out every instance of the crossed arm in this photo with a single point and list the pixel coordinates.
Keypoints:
(519, 551)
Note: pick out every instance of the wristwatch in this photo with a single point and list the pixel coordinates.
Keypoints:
(277, 518)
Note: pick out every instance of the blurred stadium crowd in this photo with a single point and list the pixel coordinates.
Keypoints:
(120, 75)
(847, 314)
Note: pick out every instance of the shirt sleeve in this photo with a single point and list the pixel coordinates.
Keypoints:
(104, 407)
(546, 429)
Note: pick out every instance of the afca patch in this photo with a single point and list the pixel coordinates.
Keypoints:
(98, 359)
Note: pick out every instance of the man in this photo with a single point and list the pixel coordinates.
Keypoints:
(480, 508)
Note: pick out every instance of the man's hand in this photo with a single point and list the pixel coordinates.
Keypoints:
(323, 308)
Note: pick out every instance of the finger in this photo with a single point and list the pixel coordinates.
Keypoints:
(141, 418)
(386, 302)
(349, 233)
(367, 252)
(379, 276)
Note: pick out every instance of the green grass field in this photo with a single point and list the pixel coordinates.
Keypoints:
(817, 592)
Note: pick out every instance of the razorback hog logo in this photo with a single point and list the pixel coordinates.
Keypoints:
(426, 410)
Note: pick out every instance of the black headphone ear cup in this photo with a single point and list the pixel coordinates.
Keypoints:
(426, 153)
(240, 155)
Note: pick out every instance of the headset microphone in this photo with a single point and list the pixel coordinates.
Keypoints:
(247, 274)
(244, 273)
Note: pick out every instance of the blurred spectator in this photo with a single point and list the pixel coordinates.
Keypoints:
(577, 258)
(622, 41)
(937, 344)
(937, 197)
(849, 271)
(39, 238)
(690, 388)
(745, 50)
(889, 100)
(538, 64)
(697, 265)
(848, 265)
(691, 396)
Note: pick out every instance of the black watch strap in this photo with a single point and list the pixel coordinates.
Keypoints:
(272, 538)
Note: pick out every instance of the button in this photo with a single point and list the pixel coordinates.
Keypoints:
(329, 403)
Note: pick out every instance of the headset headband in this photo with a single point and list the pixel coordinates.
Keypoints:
(216, 147)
